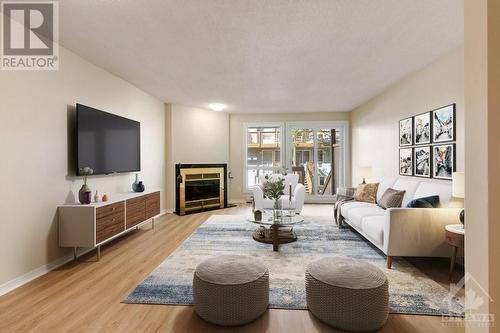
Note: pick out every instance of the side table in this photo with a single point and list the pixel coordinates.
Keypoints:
(455, 235)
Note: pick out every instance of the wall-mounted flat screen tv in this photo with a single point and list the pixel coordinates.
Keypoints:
(106, 143)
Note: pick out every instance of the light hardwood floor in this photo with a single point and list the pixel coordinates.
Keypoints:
(85, 296)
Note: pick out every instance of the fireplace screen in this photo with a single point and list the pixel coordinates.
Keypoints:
(202, 190)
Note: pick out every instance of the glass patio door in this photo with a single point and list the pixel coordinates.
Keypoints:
(315, 152)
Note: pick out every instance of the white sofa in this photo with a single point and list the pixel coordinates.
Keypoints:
(298, 194)
(410, 232)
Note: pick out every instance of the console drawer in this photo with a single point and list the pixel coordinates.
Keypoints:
(109, 225)
(136, 211)
(104, 211)
(152, 205)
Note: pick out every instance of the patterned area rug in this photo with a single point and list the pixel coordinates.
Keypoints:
(411, 292)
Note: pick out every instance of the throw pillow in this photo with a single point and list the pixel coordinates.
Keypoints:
(426, 202)
(366, 193)
(391, 198)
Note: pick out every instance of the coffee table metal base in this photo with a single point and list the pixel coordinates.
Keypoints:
(275, 235)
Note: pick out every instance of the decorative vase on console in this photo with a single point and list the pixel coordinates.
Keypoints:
(134, 184)
(83, 193)
(140, 187)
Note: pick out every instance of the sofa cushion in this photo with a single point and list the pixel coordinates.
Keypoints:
(384, 184)
(426, 189)
(366, 193)
(391, 199)
(356, 215)
(406, 185)
(347, 206)
(373, 227)
(426, 202)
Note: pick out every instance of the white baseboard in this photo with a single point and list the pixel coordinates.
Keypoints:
(37, 272)
(42, 270)
(235, 202)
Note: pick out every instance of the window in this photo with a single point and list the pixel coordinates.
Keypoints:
(316, 151)
(263, 152)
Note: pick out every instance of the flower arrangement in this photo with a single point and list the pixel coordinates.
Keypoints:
(85, 194)
(273, 189)
(86, 171)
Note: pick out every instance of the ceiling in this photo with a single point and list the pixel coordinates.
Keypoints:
(260, 56)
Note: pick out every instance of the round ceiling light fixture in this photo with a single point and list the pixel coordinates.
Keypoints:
(217, 107)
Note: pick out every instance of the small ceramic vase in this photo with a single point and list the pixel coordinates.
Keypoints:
(97, 197)
(140, 187)
(87, 198)
(134, 184)
(81, 193)
(105, 197)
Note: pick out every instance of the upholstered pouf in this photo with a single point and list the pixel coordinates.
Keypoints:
(347, 294)
(231, 289)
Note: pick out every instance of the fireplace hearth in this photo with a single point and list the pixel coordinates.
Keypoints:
(200, 187)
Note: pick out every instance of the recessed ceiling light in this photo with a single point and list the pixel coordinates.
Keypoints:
(217, 106)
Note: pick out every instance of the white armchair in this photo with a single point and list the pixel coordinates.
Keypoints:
(298, 194)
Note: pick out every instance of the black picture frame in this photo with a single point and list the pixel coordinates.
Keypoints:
(437, 169)
(408, 141)
(408, 152)
(416, 140)
(443, 129)
(416, 171)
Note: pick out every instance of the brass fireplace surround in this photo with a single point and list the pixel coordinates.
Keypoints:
(206, 185)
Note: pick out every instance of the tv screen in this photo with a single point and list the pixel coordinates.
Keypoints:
(107, 143)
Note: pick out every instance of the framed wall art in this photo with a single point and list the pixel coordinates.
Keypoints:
(422, 128)
(443, 161)
(422, 161)
(406, 161)
(443, 124)
(406, 132)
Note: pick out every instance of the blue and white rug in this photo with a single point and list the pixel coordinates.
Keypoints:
(411, 292)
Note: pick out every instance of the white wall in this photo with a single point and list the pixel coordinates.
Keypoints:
(375, 124)
(194, 136)
(35, 107)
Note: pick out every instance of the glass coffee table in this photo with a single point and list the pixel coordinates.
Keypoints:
(276, 230)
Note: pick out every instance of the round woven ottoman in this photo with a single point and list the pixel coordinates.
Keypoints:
(231, 290)
(347, 294)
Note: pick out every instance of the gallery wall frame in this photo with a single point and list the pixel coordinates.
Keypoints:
(406, 132)
(406, 162)
(422, 128)
(444, 127)
(422, 161)
(444, 161)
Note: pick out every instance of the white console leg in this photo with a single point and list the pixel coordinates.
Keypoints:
(153, 223)
(75, 253)
(98, 253)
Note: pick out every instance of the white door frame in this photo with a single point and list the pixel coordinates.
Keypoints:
(340, 124)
